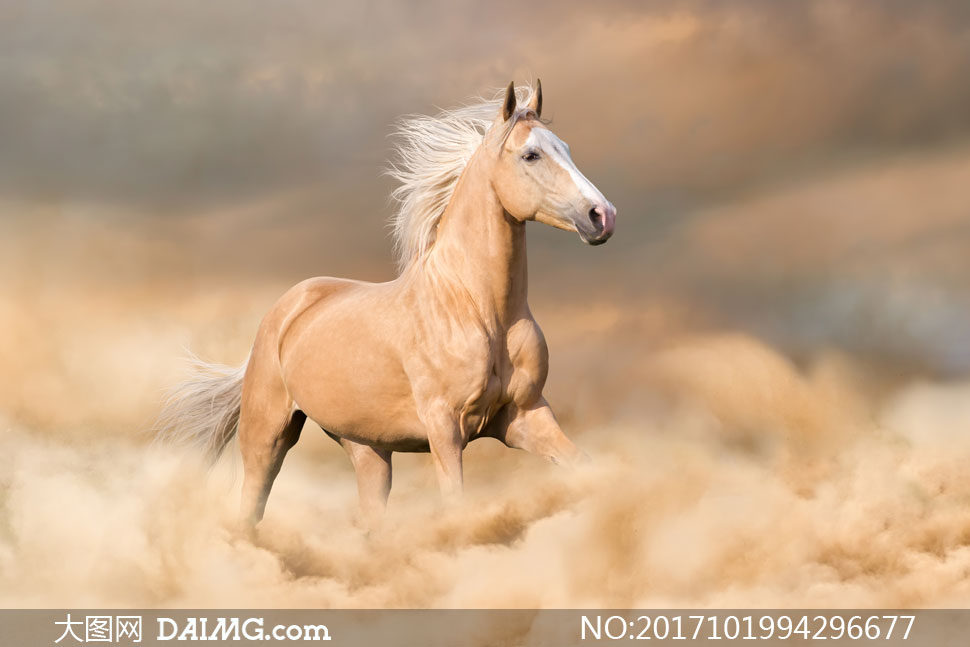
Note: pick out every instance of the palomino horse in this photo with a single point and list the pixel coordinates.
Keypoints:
(445, 353)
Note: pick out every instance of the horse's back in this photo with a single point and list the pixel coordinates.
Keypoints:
(292, 305)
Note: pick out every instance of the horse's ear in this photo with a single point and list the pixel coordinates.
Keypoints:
(535, 103)
(508, 108)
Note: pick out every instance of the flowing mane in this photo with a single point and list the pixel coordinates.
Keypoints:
(431, 154)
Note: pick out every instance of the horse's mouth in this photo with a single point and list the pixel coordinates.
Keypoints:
(597, 239)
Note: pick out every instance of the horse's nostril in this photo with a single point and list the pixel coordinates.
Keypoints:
(596, 217)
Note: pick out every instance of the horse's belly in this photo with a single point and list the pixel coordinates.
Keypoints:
(368, 425)
(358, 405)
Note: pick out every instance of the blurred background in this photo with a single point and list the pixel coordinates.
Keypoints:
(788, 289)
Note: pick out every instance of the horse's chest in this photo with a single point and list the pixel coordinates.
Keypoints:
(515, 370)
(481, 404)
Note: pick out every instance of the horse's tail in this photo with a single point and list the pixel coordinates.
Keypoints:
(203, 410)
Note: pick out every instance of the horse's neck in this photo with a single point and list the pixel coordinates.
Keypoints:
(481, 246)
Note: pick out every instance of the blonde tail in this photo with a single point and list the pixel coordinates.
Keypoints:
(203, 410)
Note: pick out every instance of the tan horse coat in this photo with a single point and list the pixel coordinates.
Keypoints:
(445, 353)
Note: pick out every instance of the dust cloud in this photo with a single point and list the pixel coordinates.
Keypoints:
(768, 363)
(724, 475)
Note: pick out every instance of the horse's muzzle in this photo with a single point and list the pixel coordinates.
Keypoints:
(601, 221)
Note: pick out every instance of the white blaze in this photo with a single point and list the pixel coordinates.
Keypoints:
(555, 149)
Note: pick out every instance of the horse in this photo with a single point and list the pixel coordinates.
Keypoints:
(445, 353)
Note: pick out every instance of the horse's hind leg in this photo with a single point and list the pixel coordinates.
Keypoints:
(373, 469)
(266, 433)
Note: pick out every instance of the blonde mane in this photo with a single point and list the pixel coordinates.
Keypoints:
(431, 154)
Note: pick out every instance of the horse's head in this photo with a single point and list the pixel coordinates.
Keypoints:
(535, 177)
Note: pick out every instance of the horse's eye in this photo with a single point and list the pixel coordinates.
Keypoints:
(531, 156)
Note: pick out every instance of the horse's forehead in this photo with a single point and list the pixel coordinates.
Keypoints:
(547, 140)
(520, 134)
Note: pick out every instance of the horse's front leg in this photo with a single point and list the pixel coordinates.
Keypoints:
(446, 444)
(534, 428)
